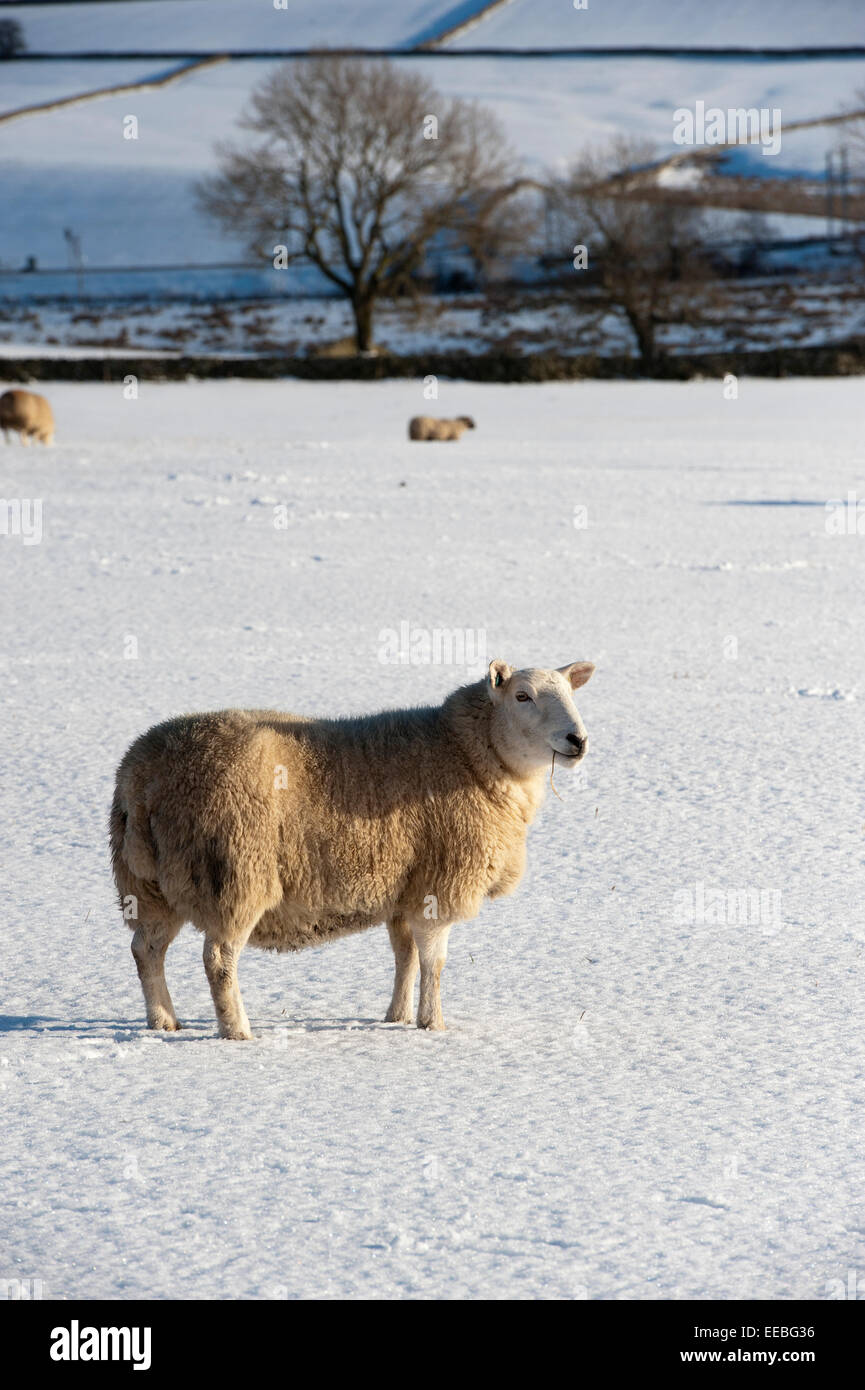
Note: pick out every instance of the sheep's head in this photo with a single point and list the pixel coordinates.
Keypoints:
(535, 715)
(467, 421)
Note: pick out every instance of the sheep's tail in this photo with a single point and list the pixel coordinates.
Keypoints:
(132, 842)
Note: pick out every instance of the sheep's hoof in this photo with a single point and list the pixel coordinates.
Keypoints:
(163, 1023)
(392, 1017)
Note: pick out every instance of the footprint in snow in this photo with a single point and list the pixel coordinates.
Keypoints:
(836, 693)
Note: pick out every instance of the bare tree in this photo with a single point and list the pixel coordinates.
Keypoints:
(358, 167)
(510, 227)
(12, 39)
(649, 254)
(852, 135)
(854, 131)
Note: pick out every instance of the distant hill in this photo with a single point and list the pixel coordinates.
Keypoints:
(218, 24)
(132, 203)
(669, 23)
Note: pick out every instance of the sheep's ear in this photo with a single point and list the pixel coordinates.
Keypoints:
(577, 673)
(498, 674)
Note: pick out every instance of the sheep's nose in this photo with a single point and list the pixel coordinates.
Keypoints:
(579, 743)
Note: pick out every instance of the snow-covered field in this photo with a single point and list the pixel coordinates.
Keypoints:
(628, 1104)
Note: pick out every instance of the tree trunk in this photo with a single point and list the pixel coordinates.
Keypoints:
(362, 308)
(644, 332)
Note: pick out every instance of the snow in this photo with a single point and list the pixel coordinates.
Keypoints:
(211, 25)
(680, 176)
(668, 24)
(627, 1104)
(133, 199)
(164, 25)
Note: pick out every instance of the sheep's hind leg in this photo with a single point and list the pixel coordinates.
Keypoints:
(406, 959)
(432, 944)
(220, 964)
(150, 941)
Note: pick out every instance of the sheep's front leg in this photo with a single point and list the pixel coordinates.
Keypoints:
(220, 963)
(431, 939)
(406, 959)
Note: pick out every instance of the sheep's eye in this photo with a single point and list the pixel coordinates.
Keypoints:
(523, 696)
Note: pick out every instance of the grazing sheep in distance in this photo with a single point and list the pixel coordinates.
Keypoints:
(28, 414)
(283, 832)
(427, 427)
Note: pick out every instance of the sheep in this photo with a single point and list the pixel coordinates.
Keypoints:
(280, 831)
(28, 414)
(427, 427)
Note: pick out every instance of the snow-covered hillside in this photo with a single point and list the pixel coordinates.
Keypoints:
(162, 25)
(209, 25)
(133, 199)
(668, 24)
(630, 1102)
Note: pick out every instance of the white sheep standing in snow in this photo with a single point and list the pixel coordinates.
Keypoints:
(284, 832)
